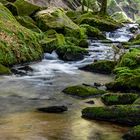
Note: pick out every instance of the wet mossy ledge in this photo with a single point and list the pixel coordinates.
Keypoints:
(133, 134)
(102, 67)
(119, 98)
(83, 91)
(123, 114)
(127, 73)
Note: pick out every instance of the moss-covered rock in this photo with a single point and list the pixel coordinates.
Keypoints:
(25, 8)
(83, 91)
(93, 32)
(119, 98)
(54, 19)
(133, 133)
(4, 70)
(65, 49)
(131, 59)
(124, 114)
(17, 43)
(104, 23)
(103, 67)
(127, 73)
(28, 22)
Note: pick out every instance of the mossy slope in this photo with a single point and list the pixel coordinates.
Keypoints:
(17, 43)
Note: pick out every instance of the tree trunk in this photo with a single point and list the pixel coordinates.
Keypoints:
(103, 7)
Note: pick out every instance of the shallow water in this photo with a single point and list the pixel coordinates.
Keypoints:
(21, 95)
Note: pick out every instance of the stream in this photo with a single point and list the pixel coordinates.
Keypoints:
(21, 95)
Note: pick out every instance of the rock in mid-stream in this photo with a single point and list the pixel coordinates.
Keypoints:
(53, 109)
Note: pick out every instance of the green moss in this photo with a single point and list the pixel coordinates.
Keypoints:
(119, 98)
(25, 8)
(93, 32)
(17, 43)
(65, 49)
(131, 59)
(56, 19)
(133, 133)
(83, 91)
(28, 22)
(4, 70)
(124, 114)
(127, 73)
(104, 23)
(103, 67)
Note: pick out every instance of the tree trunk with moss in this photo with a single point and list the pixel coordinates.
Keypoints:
(103, 7)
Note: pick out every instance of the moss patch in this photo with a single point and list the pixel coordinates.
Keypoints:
(103, 67)
(104, 23)
(119, 98)
(93, 32)
(83, 91)
(4, 70)
(127, 73)
(124, 114)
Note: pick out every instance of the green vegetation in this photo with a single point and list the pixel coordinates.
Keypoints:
(119, 98)
(103, 67)
(133, 134)
(127, 73)
(124, 114)
(4, 70)
(17, 43)
(103, 23)
(83, 91)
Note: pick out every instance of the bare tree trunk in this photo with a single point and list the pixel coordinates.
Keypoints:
(103, 7)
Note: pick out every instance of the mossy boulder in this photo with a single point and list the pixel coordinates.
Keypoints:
(93, 32)
(54, 19)
(28, 22)
(25, 8)
(133, 133)
(124, 114)
(103, 23)
(4, 70)
(103, 67)
(119, 98)
(17, 43)
(127, 73)
(83, 91)
(65, 49)
(130, 59)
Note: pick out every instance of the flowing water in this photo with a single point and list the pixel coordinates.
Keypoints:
(21, 95)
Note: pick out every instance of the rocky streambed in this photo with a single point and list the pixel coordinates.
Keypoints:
(42, 85)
